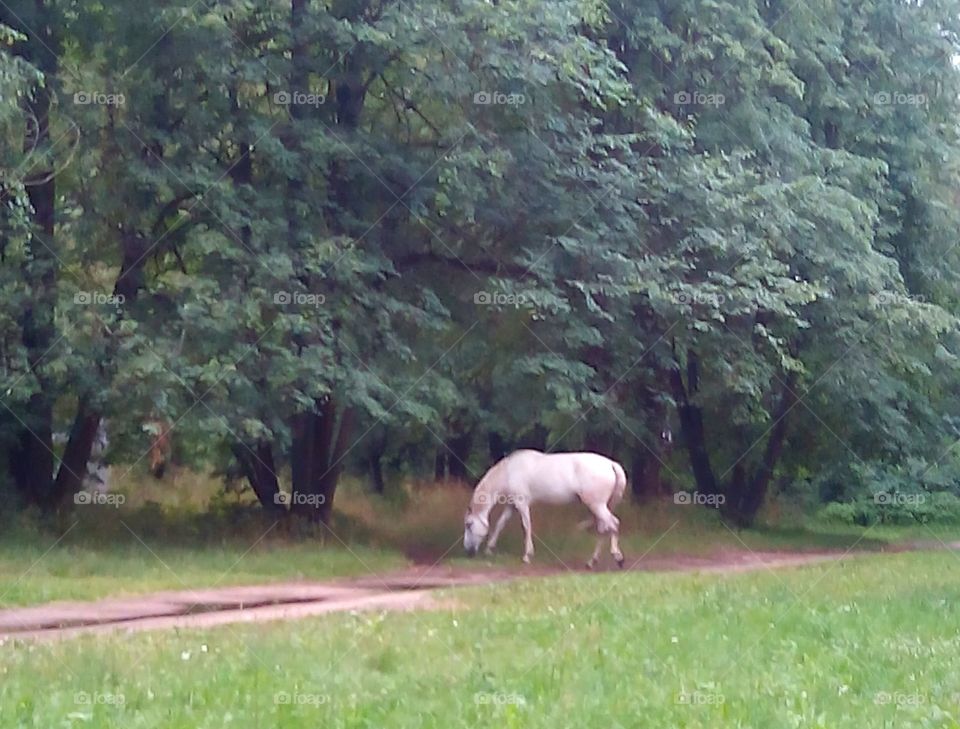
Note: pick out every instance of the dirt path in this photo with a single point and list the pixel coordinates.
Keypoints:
(408, 589)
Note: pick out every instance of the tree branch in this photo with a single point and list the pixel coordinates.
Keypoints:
(407, 104)
(490, 267)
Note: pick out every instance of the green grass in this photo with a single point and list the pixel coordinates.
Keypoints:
(872, 642)
(80, 573)
(92, 556)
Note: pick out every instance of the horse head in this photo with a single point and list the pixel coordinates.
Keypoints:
(475, 528)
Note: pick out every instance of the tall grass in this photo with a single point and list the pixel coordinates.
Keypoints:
(186, 531)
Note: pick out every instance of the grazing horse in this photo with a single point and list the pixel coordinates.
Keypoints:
(526, 477)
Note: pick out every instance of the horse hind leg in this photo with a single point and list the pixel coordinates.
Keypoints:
(615, 548)
(607, 523)
(614, 532)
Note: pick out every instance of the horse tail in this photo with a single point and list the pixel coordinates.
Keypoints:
(619, 486)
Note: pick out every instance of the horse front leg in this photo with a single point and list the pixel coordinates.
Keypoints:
(524, 510)
(592, 562)
(501, 523)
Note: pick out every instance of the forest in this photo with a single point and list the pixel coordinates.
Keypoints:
(715, 240)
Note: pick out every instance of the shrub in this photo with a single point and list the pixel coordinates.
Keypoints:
(942, 507)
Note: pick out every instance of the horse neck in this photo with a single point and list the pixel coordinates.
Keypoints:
(483, 497)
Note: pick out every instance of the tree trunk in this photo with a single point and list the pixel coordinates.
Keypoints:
(645, 481)
(312, 499)
(258, 466)
(376, 448)
(320, 436)
(536, 439)
(747, 496)
(257, 461)
(76, 454)
(130, 281)
(319, 447)
(458, 455)
(735, 496)
(331, 478)
(440, 464)
(308, 452)
(497, 446)
(32, 456)
(601, 443)
(302, 427)
(691, 427)
(375, 462)
(299, 79)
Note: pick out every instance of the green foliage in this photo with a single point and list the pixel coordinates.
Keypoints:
(520, 218)
(940, 507)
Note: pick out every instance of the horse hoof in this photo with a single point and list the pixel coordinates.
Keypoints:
(620, 562)
(526, 559)
(591, 564)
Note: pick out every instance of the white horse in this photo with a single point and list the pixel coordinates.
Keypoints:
(527, 476)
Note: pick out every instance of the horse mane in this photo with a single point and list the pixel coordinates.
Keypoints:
(482, 488)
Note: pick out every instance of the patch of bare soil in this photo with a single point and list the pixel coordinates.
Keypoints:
(409, 589)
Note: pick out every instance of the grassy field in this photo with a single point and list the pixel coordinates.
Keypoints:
(78, 572)
(124, 554)
(872, 642)
(181, 537)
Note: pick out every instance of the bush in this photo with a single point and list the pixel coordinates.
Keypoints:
(942, 507)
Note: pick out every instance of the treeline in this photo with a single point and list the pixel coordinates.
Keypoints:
(715, 240)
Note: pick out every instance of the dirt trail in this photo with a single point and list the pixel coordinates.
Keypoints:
(408, 589)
